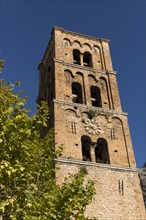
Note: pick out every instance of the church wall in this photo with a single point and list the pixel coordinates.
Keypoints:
(67, 41)
(118, 192)
(79, 84)
(72, 122)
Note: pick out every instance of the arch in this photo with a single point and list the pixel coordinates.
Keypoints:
(105, 92)
(84, 114)
(76, 57)
(77, 93)
(86, 146)
(102, 118)
(66, 41)
(68, 75)
(93, 77)
(69, 71)
(103, 82)
(77, 43)
(71, 112)
(80, 79)
(118, 120)
(87, 45)
(98, 57)
(96, 49)
(95, 96)
(117, 125)
(120, 134)
(103, 78)
(87, 59)
(79, 73)
(101, 151)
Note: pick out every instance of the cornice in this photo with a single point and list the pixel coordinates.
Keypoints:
(88, 107)
(94, 165)
(82, 35)
(84, 67)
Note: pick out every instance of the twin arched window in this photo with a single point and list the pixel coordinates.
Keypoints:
(86, 58)
(78, 98)
(101, 153)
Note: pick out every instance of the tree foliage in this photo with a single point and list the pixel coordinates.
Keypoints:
(28, 190)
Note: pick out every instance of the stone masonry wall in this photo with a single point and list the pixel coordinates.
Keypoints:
(142, 175)
(72, 122)
(118, 191)
(65, 43)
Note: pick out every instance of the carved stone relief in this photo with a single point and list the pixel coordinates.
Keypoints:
(92, 126)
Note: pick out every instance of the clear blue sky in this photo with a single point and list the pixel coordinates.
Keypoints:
(25, 32)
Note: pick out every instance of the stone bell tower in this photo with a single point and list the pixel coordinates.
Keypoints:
(78, 82)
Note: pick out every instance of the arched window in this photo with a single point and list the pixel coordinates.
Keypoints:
(76, 57)
(86, 145)
(68, 76)
(95, 96)
(87, 59)
(101, 151)
(77, 93)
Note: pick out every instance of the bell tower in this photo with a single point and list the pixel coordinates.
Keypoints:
(77, 80)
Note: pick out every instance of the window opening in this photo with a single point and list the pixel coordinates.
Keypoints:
(101, 151)
(73, 127)
(121, 187)
(95, 96)
(77, 93)
(76, 57)
(112, 134)
(87, 60)
(86, 145)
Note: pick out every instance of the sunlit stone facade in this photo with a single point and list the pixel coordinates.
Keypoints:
(79, 84)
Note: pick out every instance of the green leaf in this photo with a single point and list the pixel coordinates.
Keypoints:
(1, 140)
(28, 187)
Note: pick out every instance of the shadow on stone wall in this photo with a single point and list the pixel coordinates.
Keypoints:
(142, 175)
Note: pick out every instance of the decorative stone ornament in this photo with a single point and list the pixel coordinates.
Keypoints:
(92, 126)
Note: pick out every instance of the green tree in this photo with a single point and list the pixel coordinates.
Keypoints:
(28, 190)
